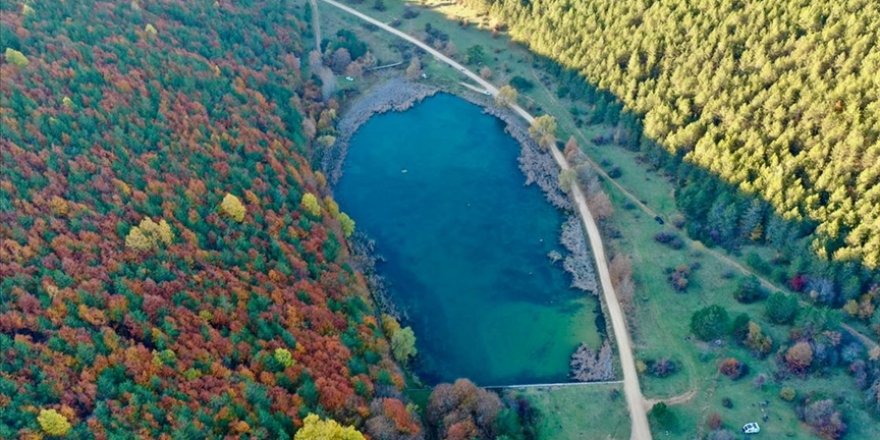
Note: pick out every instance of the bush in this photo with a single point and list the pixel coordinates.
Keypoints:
(750, 291)
(733, 368)
(710, 322)
(670, 239)
(663, 417)
(410, 13)
(825, 419)
(740, 327)
(663, 367)
(679, 278)
(781, 308)
(521, 83)
(787, 394)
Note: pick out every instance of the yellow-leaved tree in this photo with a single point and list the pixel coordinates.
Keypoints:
(316, 429)
(149, 235)
(506, 96)
(233, 208)
(283, 357)
(543, 130)
(346, 223)
(15, 57)
(310, 203)
(53, 423)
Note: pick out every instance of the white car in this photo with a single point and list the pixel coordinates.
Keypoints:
(751, 428)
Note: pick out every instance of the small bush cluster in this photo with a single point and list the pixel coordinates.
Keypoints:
(679, 277)
(733, 368)
(670, 239)
(750, 291)
(662, 367)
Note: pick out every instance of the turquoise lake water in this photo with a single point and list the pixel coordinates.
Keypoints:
(439, 189)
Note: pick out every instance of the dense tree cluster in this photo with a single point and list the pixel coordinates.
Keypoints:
(778, 98)
(461, 411)
(165, 270)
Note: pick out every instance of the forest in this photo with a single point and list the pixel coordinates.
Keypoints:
(778, 99)
(171, 266)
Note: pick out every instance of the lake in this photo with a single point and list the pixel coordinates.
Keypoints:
(439, 189)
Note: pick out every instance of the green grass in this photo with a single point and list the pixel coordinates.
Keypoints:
(572, 413)
(662, 315)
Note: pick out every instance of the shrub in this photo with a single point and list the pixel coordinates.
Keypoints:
(787, 394)
(713, 421)
(663, 417)
(760, 343)
(750, 291)
(410, 13)
(710, 322)
(670, 239)
(781, 308)
(740, 327)
(825, 419)
(521, 83)
(662, 367)
(733, 368)
(679, 277)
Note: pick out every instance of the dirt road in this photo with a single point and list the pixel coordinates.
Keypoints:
(634, 399)
(316, 24)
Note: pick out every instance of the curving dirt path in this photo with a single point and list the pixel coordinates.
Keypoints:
(635, 401)
(674, 400)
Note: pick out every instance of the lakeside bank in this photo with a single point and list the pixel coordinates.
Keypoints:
(416, 139)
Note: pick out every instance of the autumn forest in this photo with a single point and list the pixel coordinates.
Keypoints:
(170, 264)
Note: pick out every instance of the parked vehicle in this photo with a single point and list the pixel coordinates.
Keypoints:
(751, 428)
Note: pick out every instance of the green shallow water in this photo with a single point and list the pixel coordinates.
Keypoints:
(439, 189)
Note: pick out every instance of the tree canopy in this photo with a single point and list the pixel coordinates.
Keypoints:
(159, 275)
(777, 98)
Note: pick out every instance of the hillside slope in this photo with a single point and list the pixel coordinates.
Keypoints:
(163, 270)
(777, 98)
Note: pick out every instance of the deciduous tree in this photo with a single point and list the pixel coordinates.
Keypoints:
(543, 130)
